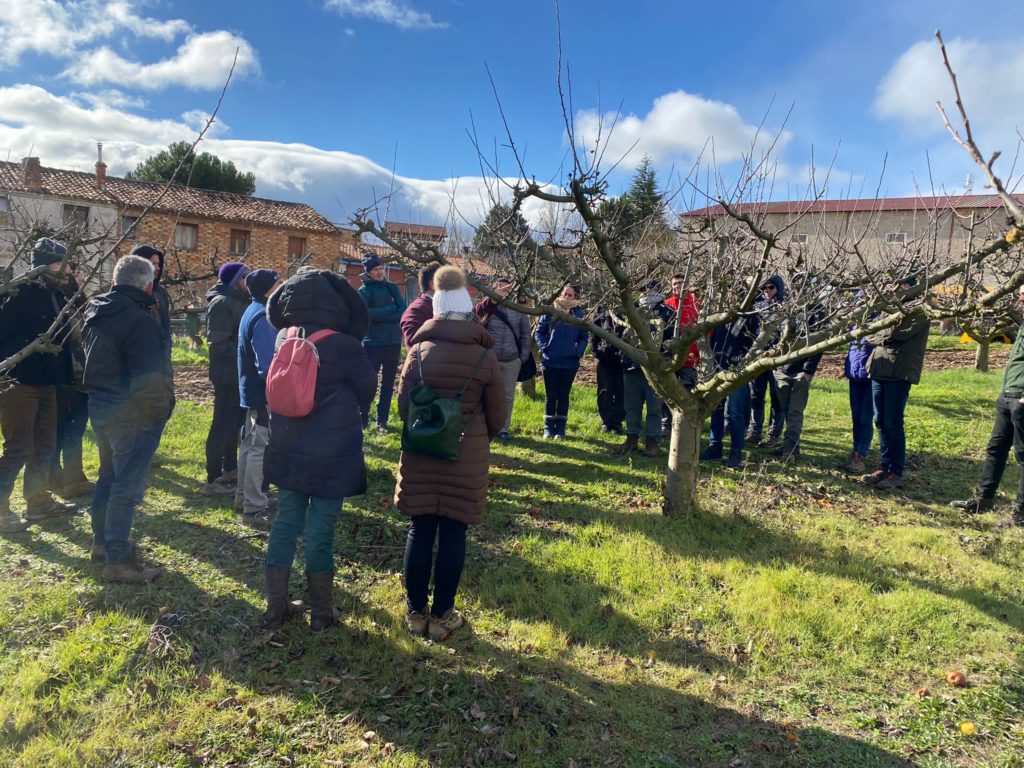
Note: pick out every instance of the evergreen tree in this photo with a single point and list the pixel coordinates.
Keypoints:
(503, 237)
(202, 171)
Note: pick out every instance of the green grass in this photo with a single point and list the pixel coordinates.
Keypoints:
(183, 354)
(788, 623)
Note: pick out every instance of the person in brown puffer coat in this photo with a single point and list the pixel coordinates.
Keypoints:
(442, 497)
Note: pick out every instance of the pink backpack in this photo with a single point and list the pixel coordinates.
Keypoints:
(291, 380)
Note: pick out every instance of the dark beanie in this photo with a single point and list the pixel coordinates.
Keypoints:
(147, 252)
(259, 281)
(371, 262)
(48, 251)
(232, 272)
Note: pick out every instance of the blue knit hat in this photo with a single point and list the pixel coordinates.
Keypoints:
(371, 262)
(48, 251)
(232, 272)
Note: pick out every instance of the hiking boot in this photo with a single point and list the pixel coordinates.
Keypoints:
(12, 523)
(711, 453)
(875, 477)
(131, 572)
(280, 607)
(735, 461)
(890, 482)
(854, 465)
(651, 446)
(416, 622)
(785, 454)
(974, 504)
(770, 442)
(441, 628)
(228, 478)
(216, 488)
(261, 518)
(753, 436)
(48, 508)
(98, 553)
(77, 488)
(322, 613)
(630, 444)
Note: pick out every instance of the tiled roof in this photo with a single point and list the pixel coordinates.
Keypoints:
(415, 230)
(185, 201)
(353, 251)
(871, 205)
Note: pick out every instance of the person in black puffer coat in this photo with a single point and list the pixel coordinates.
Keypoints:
(317, 460)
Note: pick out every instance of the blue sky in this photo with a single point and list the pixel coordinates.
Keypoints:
(330, 95)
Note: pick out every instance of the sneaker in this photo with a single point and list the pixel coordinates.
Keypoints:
(974, 504)
(504, 435)
(217, 489)
(12, 523)
(228, 478)
(549, 434)
(416, 622)
(559, 436)
(261, 518)
(130, 573)
(875, 477)
(735, 461)
(711, 453)
(382, 429)
(49, 508)
(441, 628)
(770, 442)
(890, 482)
(854, 465)
(753, 436)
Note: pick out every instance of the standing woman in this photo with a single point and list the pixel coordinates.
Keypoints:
(316, 460)
(449, 354)
(561, 349)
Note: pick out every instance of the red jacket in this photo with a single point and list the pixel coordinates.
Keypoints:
(688, 315)
(416, 314)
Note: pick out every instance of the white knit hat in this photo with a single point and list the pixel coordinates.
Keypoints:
(450, 294)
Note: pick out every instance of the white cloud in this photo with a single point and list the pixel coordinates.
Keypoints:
(110, 98)
(991, 79)
(385, 11)
(679, 125)
(202, 61)
(59, 29)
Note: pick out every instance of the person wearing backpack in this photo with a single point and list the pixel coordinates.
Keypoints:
(383, 341)
(512, 343)
(314, 453)
(450, 354)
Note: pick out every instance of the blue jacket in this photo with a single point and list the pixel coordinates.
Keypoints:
(855, 367)
(561, 345)
(730, 343)
(386, 306)
(256, 337)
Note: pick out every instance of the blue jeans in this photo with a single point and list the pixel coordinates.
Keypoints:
(890, 400)
(636, 392)
(862, 411)
(419, 557)
(763, 385)
(296, 513)
(738, 404)
(126, 452)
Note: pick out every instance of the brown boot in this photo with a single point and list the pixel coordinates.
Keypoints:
(322, 613)
(631, 443)
(131, 572)
(651, 446)
(279, 607)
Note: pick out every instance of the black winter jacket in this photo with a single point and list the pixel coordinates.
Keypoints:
(25, 315)
(224, 313)
(127, 369)
(322, 454)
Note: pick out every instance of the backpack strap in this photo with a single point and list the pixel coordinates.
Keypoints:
(321, 334)
(472, 376)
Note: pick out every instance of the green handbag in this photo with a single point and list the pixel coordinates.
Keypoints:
(434, 423)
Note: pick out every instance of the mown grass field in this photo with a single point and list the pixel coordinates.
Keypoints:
(797, 620)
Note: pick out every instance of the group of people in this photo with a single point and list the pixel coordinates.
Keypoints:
(472, 353)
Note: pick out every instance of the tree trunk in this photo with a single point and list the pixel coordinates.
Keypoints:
(683, 467)
(981, 356)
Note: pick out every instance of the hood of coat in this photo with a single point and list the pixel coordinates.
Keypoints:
(780, 293)
(223, 290)
(319, 298)
(455, 331)
(113, 305)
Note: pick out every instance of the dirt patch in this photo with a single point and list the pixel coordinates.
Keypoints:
(192, 382)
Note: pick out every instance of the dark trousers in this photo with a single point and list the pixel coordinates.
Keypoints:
(759, 387)
(447, 565)
(688, 378)
(72, 418)
(609, 393)
(28, 421)
(862, 411)
(383, 358)
(1007, 432)
(225, 431)
(126, 453)
(890, 399)
(557, 386)
(738, 405)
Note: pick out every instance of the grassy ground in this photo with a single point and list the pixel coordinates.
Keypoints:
(796, 620)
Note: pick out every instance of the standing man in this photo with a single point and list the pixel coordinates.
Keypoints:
(131, 396)
(227, 302)
(773, 291)
(609, 374)
(28, 404)
(686, 307)
(161, 299)
(421, 308)
(512, 339)
(256, 337)
(383, 340)
(1007, 432)
(894, 367)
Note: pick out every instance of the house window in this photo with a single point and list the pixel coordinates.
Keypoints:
(5, 210)
(185, 237)
(296, 247)
(76, 219)
(896, 238)
(129, 226)
(799, 239)
(238, 244)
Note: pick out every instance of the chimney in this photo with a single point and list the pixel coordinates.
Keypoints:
(32, 174)
(101, 167)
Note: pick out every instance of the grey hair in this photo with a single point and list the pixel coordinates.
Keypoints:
(134, 271)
